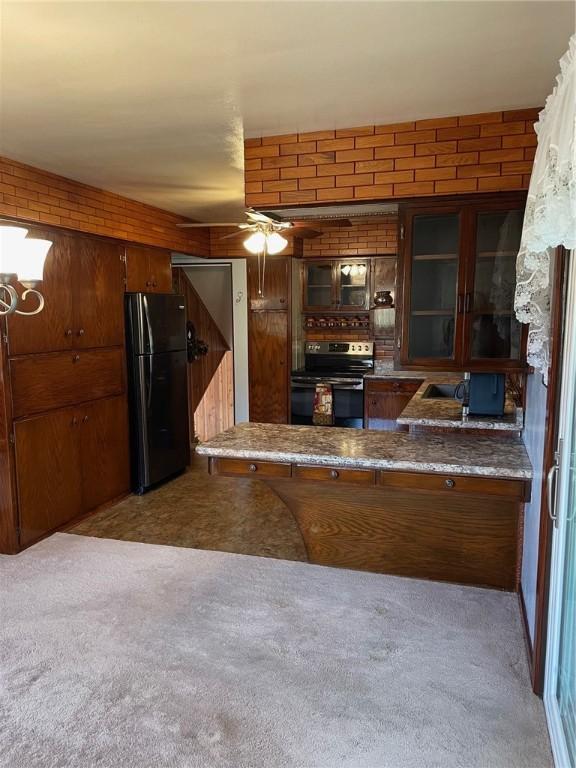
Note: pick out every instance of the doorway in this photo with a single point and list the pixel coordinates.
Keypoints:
(560, 680)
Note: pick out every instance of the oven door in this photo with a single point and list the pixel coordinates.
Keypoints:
(348, 402)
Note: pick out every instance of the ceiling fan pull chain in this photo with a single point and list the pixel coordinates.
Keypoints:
(263, 269)
(259, 276)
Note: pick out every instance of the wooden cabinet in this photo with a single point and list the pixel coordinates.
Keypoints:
(269, 288)
(384, 401)
(148, 270)
(104, 451)
(83, 293)
(69, 462)
(458, 283)
(268, 354)
(336, 285)
(45, 382)
(48, 473)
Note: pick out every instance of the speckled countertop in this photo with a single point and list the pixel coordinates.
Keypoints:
(364, 448)
(446, 412)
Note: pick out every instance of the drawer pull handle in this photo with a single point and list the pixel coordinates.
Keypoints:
(449, 483)
(334, 474)
(85, 419)
(75, 358)
(68, 332)
(81, 332)
(252, 467)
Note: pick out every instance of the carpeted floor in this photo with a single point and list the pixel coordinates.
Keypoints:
(126, 655)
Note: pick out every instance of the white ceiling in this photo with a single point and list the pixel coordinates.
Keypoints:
(152, 99)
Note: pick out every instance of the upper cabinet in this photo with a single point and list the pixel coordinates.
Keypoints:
(458, 282)
(83, 293)
(269, 285)
(148, 270)
(336, 285)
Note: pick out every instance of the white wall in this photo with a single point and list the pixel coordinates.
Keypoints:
(534, 434)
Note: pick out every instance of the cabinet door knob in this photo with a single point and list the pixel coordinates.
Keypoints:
(74, 421)
(85, 419)
(75, 358)
(252, 467)
(449, 483)
(148, 283)
(282, 301)
(68, 332)
(154, 284)
(334, 474)
(81, 332)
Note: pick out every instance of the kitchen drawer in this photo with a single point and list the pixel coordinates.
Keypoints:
(405, 386)
(249, 468)
(476, 486)
(335, 474)
(44, 382)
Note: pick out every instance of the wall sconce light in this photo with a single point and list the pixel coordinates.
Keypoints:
(22, 259)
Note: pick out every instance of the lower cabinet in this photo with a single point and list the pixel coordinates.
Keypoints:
(69, 462)
(384, 401)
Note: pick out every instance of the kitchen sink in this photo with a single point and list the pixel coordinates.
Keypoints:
(436, 391)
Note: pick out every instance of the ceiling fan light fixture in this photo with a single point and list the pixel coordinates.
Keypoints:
(255, 243)
(275, 243)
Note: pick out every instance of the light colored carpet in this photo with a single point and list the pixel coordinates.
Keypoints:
(127, 655)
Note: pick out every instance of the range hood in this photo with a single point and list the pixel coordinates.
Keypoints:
(324, 212)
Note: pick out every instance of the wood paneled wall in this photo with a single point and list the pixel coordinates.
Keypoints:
(215, 411)
(31, 194)
(473, 153)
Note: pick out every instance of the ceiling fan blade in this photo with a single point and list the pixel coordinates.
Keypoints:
(259, 217)
(233, 234)
(304, 232)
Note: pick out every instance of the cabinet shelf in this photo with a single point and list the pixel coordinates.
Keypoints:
(495, 254)
(434, 256)
(432, 312)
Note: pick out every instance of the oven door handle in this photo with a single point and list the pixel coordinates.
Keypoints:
(335, 384)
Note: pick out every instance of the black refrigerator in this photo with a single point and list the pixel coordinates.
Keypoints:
(158, 387)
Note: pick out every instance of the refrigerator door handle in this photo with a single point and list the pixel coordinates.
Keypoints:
(148, 324)
(150, 381)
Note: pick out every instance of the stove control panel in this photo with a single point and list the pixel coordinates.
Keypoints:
(363, 348)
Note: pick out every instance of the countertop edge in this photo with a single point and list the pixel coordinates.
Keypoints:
(357, 463)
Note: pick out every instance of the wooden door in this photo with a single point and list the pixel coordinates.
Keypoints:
(384, 401)
(160, 271)
(104, 451)
(269, 368)
(433, 277)
(98, 287)
(352, 284)
(52, 329)
(48, 472)
(493, 338)
(137, 269)
(318, 285)
(276, 285)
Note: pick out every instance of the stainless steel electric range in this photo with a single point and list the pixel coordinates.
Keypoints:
(343, 364)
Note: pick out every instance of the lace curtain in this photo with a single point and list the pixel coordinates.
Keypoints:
(550, 218)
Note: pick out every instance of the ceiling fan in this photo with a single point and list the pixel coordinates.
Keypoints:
(267, 235)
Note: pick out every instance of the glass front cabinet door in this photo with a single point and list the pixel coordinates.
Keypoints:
(459, 279)
(319, 285)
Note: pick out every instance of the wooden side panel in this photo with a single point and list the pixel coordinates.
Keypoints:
(98, 287)
(53, 328)
(458, 538)
(49, 477)
(103, 431)
(269, 366)
(215, 412)
(385, 401)
(8, 513)
(44, 382)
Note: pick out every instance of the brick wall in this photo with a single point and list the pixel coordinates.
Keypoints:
(30, 194)
(361, 239)
(473, 153)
